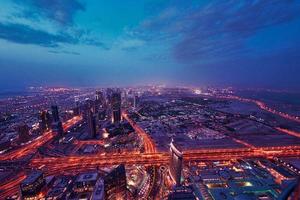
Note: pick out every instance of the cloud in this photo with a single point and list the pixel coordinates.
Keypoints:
(130, 44)
(65, 52)
(47, 23)
(219, 29)
(61, 11)
(23, 34)
(222, 29)
(94, 42)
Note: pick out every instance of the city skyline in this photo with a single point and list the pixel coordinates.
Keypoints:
(150, 143)
(149, 99)
(96, 43)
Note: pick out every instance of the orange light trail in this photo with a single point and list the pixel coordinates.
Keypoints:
(33, 146)
(148, 142)
(289, 132)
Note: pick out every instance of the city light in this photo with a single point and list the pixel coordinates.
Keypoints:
(149, 100)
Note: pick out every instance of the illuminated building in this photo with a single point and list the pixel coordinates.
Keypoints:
(99, 97)
(32, 186)
(86, 182)
(116, 107)
(115, 184)
(116, 115)
(135, 101)
(89, 105)
(109, 92)
(182, 193)
(176, 160)
(92, 124)
(76, 109)
(23, 131)
(102, 114)
(56, 124)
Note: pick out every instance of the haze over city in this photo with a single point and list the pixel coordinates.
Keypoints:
(117, 43)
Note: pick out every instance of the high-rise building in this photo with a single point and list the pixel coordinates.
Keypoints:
(109, 92)
(32, 186)
(99, 99)
(77, 109)
(56, 124)
(89, 105)
(116, 115)
(116, 104)
(175, 167)
(99, 96)
(115, 184)
(77, 102)
(23, 132)
(135, 101)
(92, 124)
(102, 114)
(45, 120)
(55, 113)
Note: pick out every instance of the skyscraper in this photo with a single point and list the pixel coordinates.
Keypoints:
(77, 109)
(175, 164)
(115, 184)
(23, 131)
(99, 96)
(56, 124)
(135, 101)
(55, 113)
(116, 106)
(45, 120)
(92, 124)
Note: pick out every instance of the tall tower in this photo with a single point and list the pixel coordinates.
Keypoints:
(175, 164)
(116, 107)
(45, 120)
(92, 124)
(56, 124)
(99, 96)
(55, 113)
(77, 110)
(135, 101)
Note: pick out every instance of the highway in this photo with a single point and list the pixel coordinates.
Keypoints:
(150, 156)
(71, 164)
(32, 147)
(289, 132)
(12, 187)
(162, 158)
(148, 142)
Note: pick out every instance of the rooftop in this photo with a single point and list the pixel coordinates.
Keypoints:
(32, 177)
(90, 176)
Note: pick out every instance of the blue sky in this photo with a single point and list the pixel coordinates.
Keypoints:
(241, 43)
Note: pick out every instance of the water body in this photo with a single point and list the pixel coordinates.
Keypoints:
(287, 102)
(276, 97)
